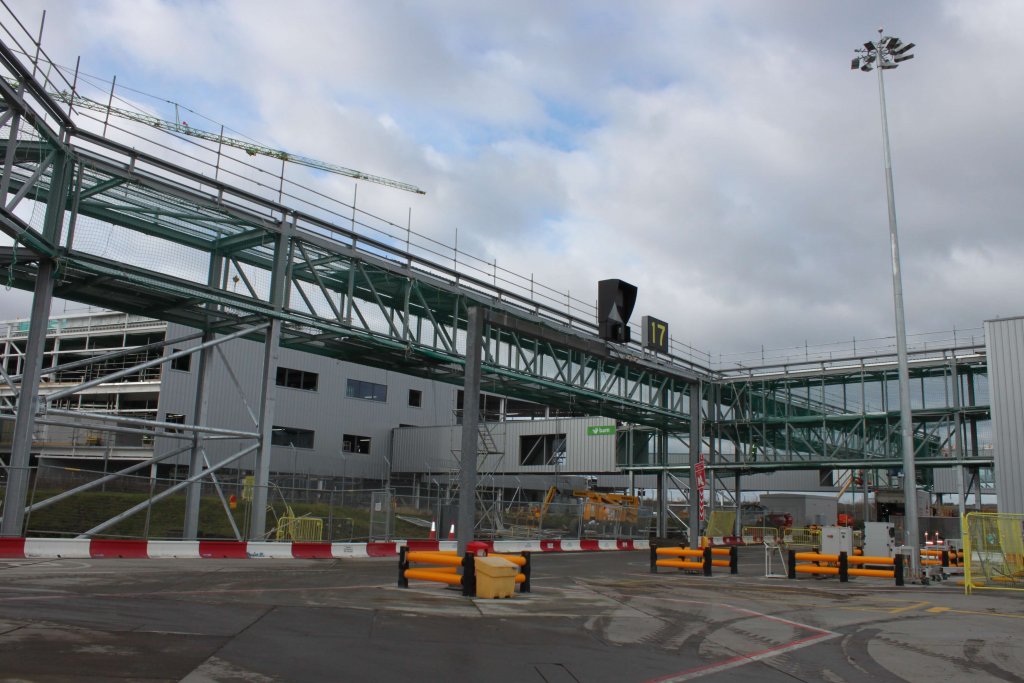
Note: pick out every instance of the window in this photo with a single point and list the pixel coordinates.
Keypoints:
(351, 443)
(367, 390)
(175, 418)
(825, 478)
(292, 436)
(297, 379)
(542, 449)
(184, 363)
(490, 406)
(415, 398)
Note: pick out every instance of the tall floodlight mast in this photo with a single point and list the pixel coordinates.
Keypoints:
(887, 53)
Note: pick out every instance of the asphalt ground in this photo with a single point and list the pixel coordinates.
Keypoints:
(590, 617)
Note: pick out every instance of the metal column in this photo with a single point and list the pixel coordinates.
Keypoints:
(194, 493)
(268, 383)
(662, 530)
(957, 437)
(695, 429)
(470, 429)
(28, 404)
(737, 492)
(28, 395)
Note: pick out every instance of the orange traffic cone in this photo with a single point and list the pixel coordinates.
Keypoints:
(451, 532)
(433, 531)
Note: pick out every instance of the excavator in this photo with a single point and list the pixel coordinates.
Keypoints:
(598, 506)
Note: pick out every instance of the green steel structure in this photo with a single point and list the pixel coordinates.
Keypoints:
(99, 221)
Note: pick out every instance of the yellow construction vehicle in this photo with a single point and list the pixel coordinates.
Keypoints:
(608, 507)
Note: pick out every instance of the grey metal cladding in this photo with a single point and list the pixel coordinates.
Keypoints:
(1005, 349)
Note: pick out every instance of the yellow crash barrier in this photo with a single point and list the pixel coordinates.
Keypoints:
(840, 565)
(446, 565)
(694, 559)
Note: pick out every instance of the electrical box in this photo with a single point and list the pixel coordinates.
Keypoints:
(836, 539)
(879, 539)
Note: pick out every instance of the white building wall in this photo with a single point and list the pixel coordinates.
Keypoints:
(431, 449)
(327, 411)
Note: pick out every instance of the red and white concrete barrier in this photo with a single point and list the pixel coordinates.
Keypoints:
(100, 548)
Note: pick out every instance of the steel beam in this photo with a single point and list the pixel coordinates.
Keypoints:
(470, 429)
(27, 405)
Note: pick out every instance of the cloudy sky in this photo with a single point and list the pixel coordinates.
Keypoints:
(719, 154)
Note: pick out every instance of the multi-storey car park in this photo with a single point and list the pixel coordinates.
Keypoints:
(303, 329)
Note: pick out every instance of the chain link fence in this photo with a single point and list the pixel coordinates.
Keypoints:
(993, 551)
(301, 509)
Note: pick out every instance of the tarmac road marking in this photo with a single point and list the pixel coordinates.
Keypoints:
(908, 608)
(819, 635)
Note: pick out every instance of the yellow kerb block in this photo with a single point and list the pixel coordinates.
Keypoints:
(495, 577)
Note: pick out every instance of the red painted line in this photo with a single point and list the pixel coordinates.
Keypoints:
(589, 544)
(114, 547)
(12, 548)
(311, 551)
(381, 549)
(223, 549)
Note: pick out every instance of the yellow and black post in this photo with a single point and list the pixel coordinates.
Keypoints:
(469, 575)
(524, 587)
(403, 564)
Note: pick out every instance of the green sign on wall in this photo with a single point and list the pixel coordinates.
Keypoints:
(602, 430)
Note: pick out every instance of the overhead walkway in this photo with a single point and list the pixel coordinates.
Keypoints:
(145, 229)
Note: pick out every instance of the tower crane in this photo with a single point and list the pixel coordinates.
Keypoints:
(250, 148)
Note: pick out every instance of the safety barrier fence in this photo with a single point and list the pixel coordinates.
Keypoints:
(993, 554)
(687, 558)
(760, 534)
(103, 548)
(941, 557)
(840, 565)
(801, 537)
(442, 566)
(300, 529)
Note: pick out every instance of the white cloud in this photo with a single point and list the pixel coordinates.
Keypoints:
(722, 156)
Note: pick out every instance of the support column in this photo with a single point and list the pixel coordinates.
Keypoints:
(200, 413)
(268, 385)
(973, 421)
(737, 492)
(28, 395)
(957, 445)
(193, 496)
(28, 404)
(695, 431)
(662, 530)
(470, 429)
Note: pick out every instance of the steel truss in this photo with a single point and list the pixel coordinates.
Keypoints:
(130, 231)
